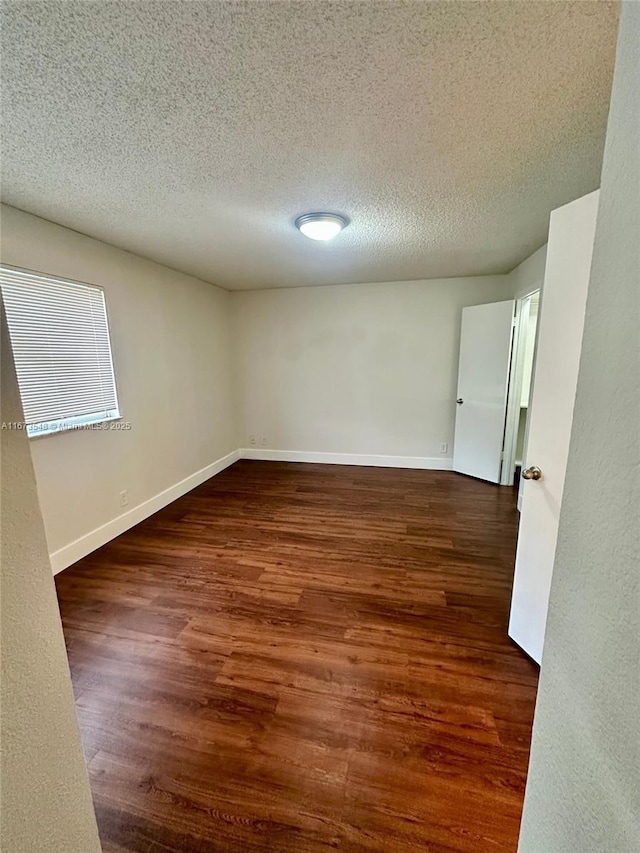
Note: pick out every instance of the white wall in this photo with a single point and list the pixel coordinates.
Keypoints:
(46, 803)
(528, 275)
(170, 339)
(583, 790)
(353, 369)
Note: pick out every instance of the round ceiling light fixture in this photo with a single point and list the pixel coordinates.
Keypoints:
(321, 226)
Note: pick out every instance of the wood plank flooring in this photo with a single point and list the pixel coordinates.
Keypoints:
(302, 658)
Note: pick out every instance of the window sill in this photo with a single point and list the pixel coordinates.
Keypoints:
(95, 421)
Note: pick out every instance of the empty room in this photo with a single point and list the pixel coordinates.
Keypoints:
(320, 426)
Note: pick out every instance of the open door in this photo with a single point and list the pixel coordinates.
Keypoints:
(483, 379)
(561, 322)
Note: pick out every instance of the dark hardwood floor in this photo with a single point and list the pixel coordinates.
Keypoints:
(301, 657)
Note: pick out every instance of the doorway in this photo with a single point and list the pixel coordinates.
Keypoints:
(519, 392)
(495, 370)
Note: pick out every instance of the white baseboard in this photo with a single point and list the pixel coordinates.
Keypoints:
(74, 551)
(78, 549)
(435, 463)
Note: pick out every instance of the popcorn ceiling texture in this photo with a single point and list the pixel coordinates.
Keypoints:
(193, 133)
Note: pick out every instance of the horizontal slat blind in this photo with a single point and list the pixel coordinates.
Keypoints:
(60, 340)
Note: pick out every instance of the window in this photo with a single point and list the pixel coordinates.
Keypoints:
(60, 339)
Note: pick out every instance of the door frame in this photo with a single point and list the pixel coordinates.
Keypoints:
(514, 394)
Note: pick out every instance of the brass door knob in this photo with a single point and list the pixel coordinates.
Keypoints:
(533, 473)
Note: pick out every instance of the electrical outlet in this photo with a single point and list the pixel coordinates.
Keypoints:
(264, 441)
(444, 447)
(252, 440)
(124, 498)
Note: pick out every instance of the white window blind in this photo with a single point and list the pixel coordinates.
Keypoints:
(60, 339)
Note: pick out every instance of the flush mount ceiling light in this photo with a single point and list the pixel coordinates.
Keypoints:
(320, 226)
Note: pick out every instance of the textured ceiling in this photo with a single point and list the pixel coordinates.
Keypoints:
(194, 133)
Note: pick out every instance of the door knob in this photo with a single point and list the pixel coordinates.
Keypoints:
(459, 401)
(533, 473)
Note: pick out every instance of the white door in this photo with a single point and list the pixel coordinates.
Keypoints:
(483, 377)
(561, 321)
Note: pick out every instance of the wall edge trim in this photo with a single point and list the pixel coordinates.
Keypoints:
(74, 551)
(435, 463)
(79, 548)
